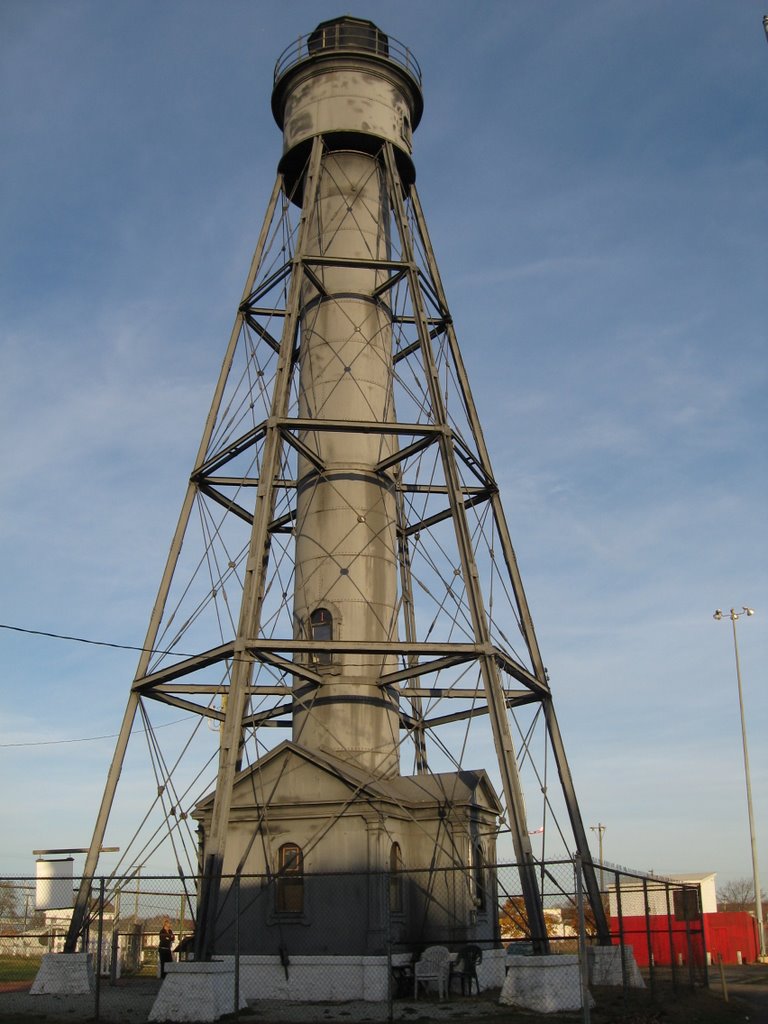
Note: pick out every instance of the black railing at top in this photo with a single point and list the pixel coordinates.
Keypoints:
(345, 37)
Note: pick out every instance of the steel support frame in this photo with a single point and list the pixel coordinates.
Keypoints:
(526, 621)
(82, 899)
(277, 431)
(253, 589)
(502, 735)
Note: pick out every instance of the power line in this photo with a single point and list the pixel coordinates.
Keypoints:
(50, 743)
(89, 739)
(93, 643)
(102, 643)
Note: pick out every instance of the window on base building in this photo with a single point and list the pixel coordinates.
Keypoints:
(478, 876)
(290, 880)
(395, 879)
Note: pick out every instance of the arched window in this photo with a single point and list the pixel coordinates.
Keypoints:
(321, 629)
(395, 879)
(290, 879)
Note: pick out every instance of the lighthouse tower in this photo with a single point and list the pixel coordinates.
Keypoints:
(353, 96)
(341, 581)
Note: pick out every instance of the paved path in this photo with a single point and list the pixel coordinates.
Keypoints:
(749, 983)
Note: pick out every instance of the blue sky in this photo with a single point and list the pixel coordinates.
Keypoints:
(594, 180)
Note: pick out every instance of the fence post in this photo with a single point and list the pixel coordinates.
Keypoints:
(583, 964)
(115, 954)
(649, 943)
(99, 940)
(672, 958)
(387, 901)
(622, 948)
(722, 977)
(237, 946)
(115, 941)
(689, 947)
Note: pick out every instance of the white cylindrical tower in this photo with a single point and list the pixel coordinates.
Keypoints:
(53, 883)
(350, 88)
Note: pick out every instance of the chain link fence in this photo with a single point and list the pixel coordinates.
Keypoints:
(391, 944)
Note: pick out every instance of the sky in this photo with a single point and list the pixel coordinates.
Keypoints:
(593, 177)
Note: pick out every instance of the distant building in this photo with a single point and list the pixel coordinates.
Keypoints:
(634, 892)
(657, 916)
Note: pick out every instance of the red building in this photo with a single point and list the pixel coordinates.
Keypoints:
(663, 937)
(675, 919)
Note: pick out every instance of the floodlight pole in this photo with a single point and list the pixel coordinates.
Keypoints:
(733, 615)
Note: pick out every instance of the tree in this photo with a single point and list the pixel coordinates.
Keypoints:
(17, 905)
(739, 894)
(559, 921)
(513, 919)
(9, 900)
(570, 918)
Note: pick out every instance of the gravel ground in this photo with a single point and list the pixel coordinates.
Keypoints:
(129, 1002)
(428, 1009)
(124, 1003)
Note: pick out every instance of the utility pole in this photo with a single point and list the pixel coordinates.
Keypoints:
(599, 828)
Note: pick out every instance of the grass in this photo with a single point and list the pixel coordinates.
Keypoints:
(19, 968)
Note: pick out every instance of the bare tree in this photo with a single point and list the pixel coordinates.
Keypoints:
(17, 905)
(10, 898)
(738, 894)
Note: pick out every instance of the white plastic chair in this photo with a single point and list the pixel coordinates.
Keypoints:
(434, 964)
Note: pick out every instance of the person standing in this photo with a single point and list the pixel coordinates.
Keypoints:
(165, 944)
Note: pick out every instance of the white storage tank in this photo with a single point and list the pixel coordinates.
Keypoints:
(53, 884)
